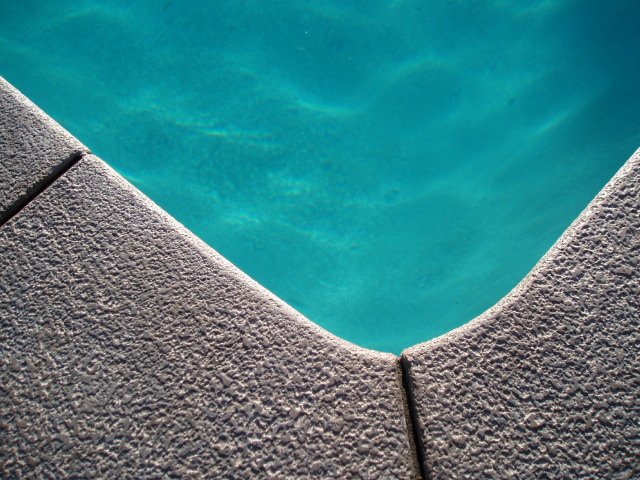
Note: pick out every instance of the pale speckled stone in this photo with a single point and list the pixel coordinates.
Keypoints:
(547, 383)
(32, 148)
(131, 349)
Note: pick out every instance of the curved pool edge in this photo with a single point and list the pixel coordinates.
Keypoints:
(261, 389)
(547, 382)
(130, 346)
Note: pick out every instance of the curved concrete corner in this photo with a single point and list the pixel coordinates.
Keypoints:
(547, 383)
(33, 150)
(128, 348)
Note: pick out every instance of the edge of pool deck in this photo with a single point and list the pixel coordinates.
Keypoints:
(545, 384)
(128, 347)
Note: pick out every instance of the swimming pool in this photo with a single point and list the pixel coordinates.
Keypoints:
(390, 169)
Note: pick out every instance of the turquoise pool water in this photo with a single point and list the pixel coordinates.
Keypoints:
(391, 169)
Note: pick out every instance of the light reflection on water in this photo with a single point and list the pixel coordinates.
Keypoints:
(391, 169)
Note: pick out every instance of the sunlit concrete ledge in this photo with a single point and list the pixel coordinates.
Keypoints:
(546, 384)
(130, 348)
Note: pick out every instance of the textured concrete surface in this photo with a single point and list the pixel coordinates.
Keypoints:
(547, 383)
(33, 148)
(130, 348)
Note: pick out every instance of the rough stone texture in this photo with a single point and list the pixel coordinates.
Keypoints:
(33, 148)
(131, 349)
(547, 383)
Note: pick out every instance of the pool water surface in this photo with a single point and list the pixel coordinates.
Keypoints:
(389, 168)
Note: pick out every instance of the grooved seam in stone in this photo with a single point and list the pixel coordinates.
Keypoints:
(40, 186)
(412, 418)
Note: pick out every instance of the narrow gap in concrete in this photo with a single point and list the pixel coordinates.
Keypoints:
(412, 418)
(41, 186)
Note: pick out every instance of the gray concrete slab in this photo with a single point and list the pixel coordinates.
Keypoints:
(33, 149)
(131, 349)
(547, 383)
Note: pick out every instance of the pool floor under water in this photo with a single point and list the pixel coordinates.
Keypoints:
(390, 169)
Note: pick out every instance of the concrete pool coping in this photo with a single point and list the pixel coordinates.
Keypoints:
(129, 346)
